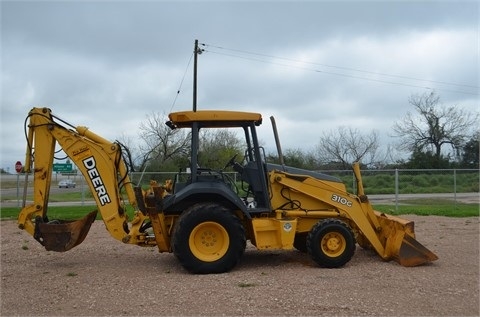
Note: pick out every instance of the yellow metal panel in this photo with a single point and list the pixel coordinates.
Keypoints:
(213, 118)
(274, 233)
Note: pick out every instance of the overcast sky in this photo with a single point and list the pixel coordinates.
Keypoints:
(313, 65)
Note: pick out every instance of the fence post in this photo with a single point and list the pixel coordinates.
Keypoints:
(82, 188)
(454, 189)
(18, 190)
(396, 190)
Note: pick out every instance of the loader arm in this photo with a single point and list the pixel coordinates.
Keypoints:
(393, 238)
(101, 163)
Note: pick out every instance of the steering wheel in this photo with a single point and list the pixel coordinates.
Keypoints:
(231, 162)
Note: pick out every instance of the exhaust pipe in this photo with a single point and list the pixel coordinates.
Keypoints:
(277, 143)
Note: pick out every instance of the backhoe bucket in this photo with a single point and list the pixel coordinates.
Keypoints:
(400, 242)
(61, 236)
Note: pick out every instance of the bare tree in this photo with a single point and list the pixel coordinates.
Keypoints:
(130, 151)
(160, 142)
(434, 125)
(346, 145)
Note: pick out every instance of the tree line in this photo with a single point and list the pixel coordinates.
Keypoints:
(433, 136)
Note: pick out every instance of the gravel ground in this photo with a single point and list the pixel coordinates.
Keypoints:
(103, 277)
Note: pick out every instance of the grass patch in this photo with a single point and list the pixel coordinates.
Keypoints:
(435, 208)
(58, 212)
(414, 182)
(245, 284)
(63, 212)
(422, 207)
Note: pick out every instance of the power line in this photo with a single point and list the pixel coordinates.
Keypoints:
(268, 61)
(181, 83)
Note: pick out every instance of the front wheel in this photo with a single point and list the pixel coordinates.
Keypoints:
(300, 242)
(331, 243)
(208, 238)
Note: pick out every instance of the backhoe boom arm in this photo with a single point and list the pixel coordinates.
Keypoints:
(101, 163)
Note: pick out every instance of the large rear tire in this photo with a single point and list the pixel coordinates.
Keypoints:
(208, 238)
(331, 243)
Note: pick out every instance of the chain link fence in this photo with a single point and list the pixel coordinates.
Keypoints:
(432, 186)
(418, 186)
(395, 186)
(413, 181)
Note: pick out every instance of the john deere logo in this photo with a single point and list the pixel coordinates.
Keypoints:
(287, 226)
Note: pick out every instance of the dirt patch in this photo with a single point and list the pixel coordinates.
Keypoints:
(103, 277)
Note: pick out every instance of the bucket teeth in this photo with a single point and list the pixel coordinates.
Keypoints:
(413, 253)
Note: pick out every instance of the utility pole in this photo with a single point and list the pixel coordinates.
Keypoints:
(196, 51)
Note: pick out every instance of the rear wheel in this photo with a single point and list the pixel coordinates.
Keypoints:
(208, 239)
(331, 243)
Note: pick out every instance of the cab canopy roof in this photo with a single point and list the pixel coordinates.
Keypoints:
(213, 119)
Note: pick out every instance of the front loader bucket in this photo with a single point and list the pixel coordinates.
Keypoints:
(413, 253)
(61, 236)
(400, 242)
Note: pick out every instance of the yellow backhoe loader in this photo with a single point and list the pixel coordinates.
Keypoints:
(205, 220)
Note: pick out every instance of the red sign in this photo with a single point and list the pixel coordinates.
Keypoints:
(18, 166)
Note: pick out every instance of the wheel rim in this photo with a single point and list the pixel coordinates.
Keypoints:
(333, 244)
(209, 241)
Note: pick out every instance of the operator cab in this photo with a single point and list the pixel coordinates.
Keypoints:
(253, 173)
